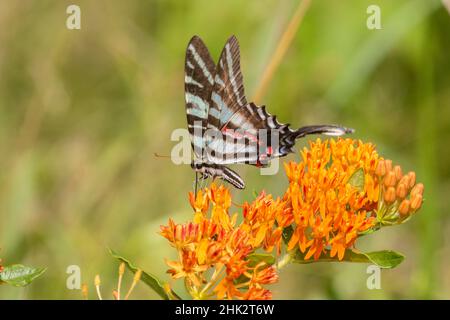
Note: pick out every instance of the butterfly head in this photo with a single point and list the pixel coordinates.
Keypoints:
(197, 166)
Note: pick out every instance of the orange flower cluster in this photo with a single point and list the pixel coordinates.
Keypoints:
(401, 195)
(214, 252)
(328, 211)
(341, 189)
(265, 220)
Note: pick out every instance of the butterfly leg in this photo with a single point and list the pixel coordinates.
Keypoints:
(203, 178)
(196, 183)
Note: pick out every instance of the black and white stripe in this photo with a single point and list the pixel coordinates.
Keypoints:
(218, 171)
(215, 99)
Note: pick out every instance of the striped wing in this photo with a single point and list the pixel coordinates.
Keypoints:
(246, 128)
(227, 95)
(199, 82)
(224, 127)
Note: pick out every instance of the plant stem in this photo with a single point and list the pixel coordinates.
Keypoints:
(283, 45)
(284, 261)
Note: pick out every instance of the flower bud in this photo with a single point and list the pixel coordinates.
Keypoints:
(401, 191)
(381, 168)
(122, 269)
(137, 275)
(389, 179)
(84, 291)
(398, 172)
(418, 189)
(389, 195)
(405, 181)
(388, 164)
(416, 202)
(97, 280)
(412, 178)
(403, 209)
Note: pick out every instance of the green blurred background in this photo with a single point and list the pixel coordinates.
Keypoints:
(83, 111)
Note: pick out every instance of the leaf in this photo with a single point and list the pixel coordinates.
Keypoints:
(256, 258)
(19, 275)
(149, 279)
(385, 259)
(357, 180)
(287, 234)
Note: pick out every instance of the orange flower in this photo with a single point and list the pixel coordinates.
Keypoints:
(187, 267)
(214, 253)
(262, 275)
(328, 207)
(181, 236)
(257, 293)
(200, 204)
(264, 220)
(341, 189)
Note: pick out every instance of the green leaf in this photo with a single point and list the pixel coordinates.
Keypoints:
(149, 279)
(256, 258)
(287, 234)
(385, 259)
(357, 180)
(19, 275)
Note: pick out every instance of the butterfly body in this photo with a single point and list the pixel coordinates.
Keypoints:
(226, 129)
(212, 170)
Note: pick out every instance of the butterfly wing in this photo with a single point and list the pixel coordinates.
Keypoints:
(239, 122)
(228, 94)
(198, 83)
(249, 134)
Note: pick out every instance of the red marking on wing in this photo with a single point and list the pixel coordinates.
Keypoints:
(238, 135)
(224, 129)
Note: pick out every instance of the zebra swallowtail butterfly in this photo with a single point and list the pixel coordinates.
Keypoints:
(224, 127)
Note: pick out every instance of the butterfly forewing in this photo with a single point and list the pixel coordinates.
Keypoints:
(228, 91)
(199, 82)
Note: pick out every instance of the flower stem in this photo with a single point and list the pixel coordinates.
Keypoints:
(283, 45)
(216, 276)
(285, 260)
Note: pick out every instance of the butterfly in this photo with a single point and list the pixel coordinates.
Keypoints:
(223, 126)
